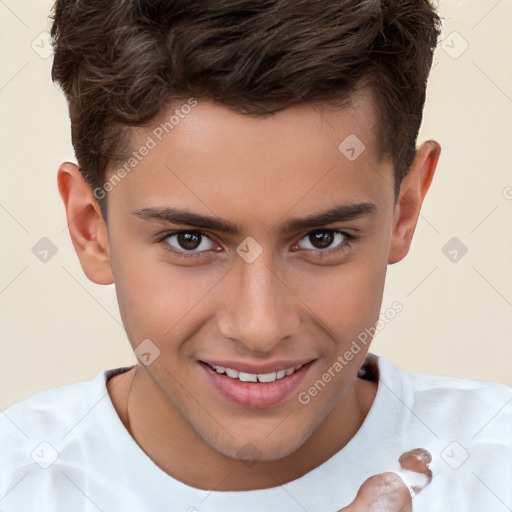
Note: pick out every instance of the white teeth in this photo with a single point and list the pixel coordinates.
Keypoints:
(267, 377)
(252, 377)
(232, 373)
(247, 377)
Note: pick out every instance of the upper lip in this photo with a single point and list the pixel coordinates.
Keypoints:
(259, 369)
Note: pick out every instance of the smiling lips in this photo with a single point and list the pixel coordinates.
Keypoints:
(258, 388)
(255, 377)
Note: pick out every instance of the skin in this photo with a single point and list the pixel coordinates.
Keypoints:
(292, 302)
(382, 493)
(387, 492)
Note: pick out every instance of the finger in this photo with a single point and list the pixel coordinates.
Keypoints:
(386, 492)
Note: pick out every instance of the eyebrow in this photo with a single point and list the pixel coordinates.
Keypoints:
(341, 213)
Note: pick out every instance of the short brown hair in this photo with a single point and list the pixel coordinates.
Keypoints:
(120, 63)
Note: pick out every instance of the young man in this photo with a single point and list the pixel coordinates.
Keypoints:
(246, 172)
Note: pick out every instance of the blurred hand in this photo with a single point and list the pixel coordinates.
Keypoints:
(387, 492)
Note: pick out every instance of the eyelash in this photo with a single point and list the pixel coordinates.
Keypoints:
(345, 245)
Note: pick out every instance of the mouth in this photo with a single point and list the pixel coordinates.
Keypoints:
(258, 388)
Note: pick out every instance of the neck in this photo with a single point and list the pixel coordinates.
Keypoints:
(179, 451)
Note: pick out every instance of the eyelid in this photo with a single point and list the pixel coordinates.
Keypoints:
(344, 232)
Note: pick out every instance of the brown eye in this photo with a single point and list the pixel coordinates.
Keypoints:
(323, 239)
(189, 241)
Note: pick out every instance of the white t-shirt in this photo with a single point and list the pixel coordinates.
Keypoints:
(66, 449)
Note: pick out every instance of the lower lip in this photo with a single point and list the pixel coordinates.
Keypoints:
(256, 395)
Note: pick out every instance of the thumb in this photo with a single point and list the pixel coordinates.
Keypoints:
(385, 492)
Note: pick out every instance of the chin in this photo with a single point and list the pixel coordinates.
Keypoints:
(262, 448)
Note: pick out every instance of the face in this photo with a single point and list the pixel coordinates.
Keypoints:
(252, 246)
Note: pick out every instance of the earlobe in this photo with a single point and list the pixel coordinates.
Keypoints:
(85, 223)
(412, 193)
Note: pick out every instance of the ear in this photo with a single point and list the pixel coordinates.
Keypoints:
(413, 189)
(86, 225)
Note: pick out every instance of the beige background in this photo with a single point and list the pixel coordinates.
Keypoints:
(57, 327)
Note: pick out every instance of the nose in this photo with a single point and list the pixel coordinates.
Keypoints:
(259, 309)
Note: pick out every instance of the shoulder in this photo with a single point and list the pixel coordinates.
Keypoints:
(38, 431)
(426, 389)
(460, 394)
(63, 403)
(464, 407)
(52, 406)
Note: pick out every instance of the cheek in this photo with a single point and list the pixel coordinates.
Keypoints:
(158, 300)
(346, 299)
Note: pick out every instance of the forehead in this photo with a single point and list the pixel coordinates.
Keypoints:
(207, 158)
(211, 125)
